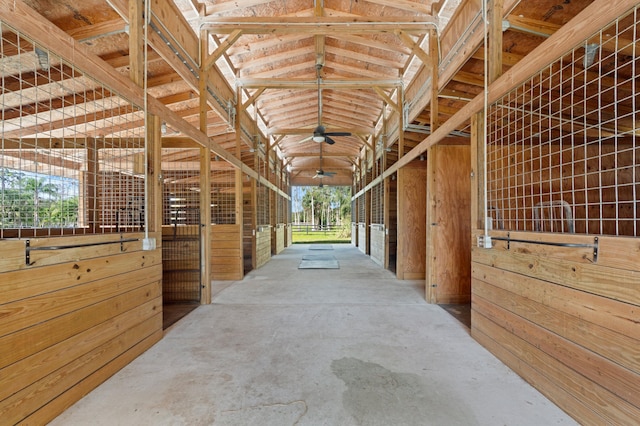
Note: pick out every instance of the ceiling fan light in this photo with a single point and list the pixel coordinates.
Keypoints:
(318, 138)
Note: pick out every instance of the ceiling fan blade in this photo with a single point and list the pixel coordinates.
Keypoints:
(337, 134)
(306, 139)
(328, 140)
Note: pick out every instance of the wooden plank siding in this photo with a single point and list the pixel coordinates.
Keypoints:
(566, 323)
(363, 233)
(391, 222)
(354, 234)
(377, 235)
(71, 320)
(263, 246)
(226, 252)
(448, 276)
(412, 221)
(279, 234)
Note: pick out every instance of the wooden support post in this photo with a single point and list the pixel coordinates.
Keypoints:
(435, 90)
(136, 42)
(477, 171)
(386, 218)
(495, 40)
(91, 183)
(205, 223)
(400, 122)
(205, 189)
(432, 228)
(153, 178)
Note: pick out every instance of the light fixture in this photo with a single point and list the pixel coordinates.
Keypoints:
(590, 50)
(318, 138)
(43, 58)
(163, 128)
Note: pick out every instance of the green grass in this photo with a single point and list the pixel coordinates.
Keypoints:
(319, 237)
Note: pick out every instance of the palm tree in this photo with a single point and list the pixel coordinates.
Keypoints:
(40, 191)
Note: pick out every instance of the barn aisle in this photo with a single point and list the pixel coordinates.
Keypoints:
(287, 346)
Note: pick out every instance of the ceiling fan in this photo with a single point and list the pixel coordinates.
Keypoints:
(320, 173)
(319, 133)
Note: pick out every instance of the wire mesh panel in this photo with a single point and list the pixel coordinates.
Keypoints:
(71, 154)
(377, 204)
(181, 187)
(281, 210)
(223, 197)
(361, 209)
(563, 152)
(264, 205)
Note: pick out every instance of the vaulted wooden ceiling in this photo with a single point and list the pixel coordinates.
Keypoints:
(298, 63)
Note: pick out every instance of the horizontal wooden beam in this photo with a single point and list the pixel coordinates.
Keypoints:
(317, 24)
(288, 83)
(305, 131)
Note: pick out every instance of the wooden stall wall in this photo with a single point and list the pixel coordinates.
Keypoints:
(412, 221)
(363, 232)
(226, 252)
(448, 275)
(279, 233)
(263, 245)
(71, 319)
(377, 236)
(391, 222)
(354, 234)
(181, 263)
(564, 322)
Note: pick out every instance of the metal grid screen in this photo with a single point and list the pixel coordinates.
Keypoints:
(377, 204)
(563, 152)
(223, 197)
(181, 177)
(361, 209)
(71, 153)
(264, 204)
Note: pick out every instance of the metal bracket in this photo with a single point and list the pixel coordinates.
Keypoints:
(27, 252)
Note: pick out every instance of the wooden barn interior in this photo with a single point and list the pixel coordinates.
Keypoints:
(491, 147)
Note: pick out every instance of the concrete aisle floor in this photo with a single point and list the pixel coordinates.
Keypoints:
(348, 346)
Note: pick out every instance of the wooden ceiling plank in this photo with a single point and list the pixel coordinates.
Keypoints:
(269, 59)
(375, 44)
(230, 6)
(320, 49)
(250, 44)
(292, 70)
(364, 57)
(407, 6)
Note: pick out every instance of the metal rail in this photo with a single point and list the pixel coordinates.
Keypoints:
(29, 249)
(510, 240)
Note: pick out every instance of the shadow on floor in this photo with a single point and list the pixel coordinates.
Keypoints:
(173, 312)
(460, 311)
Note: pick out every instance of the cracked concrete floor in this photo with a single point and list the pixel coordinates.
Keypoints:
(349, 346)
